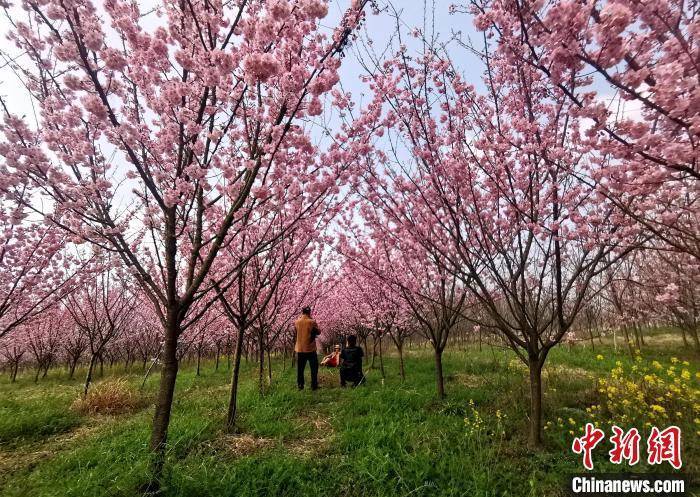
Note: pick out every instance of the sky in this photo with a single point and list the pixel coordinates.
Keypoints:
(429, 17)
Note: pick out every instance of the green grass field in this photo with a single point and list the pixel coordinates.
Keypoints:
(386, 438)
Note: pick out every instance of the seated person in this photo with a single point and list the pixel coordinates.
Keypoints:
(351, 363)
(332, 360)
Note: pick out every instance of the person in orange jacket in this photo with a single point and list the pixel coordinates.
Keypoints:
(305, 347)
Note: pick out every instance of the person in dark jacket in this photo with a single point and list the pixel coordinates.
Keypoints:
(351, 363)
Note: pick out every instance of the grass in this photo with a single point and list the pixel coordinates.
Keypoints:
(386, 438)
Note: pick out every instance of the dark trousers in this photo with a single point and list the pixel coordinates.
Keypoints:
(312, 358)
(352, 375)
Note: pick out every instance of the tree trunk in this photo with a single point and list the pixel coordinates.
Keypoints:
(88, 376)
(14, 371)
(627, 339)
(641, 334)
(261, 364)
(164, 401)
(199, 359)
(402, 370)
(231, 415)
(696, 340)
(381, 358)
(535, 435)
(269, 367)
(216, 368)
(439, 378)
(685, 338)
(637, 341)
(590, 333)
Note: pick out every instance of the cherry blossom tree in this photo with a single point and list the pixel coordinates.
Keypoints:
(147, 333)
(630, 69)
(667, 285)
(74, 343)
(493, 188)
(35, 268)
(44, 339)
(247, 298)
(13, 352)
(305, 282)
(103, 308)
(383, 302)
(155, 138)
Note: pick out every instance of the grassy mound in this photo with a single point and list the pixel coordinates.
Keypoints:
(113, 396)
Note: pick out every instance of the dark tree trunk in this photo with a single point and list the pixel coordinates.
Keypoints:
(199, 359)
(685, 338)
(627, 339)
(535, 435)
(381, 358)
(216, 368)
(164, 400)
(88, 376)
(637, 341)
(402, 369)
(590, 333)
(269, 367)
(232, 407)
(15, 367)
(641, 334)
(439, 377)
(696, 340)
(261, 365)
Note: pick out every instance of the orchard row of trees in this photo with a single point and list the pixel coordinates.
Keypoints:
(173, 195)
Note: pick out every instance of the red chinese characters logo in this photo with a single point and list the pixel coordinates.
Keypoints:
(625, 446)
(585, 444)
(665, 446)
(662, 445)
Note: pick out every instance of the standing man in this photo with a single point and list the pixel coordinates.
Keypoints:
(305, 347)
